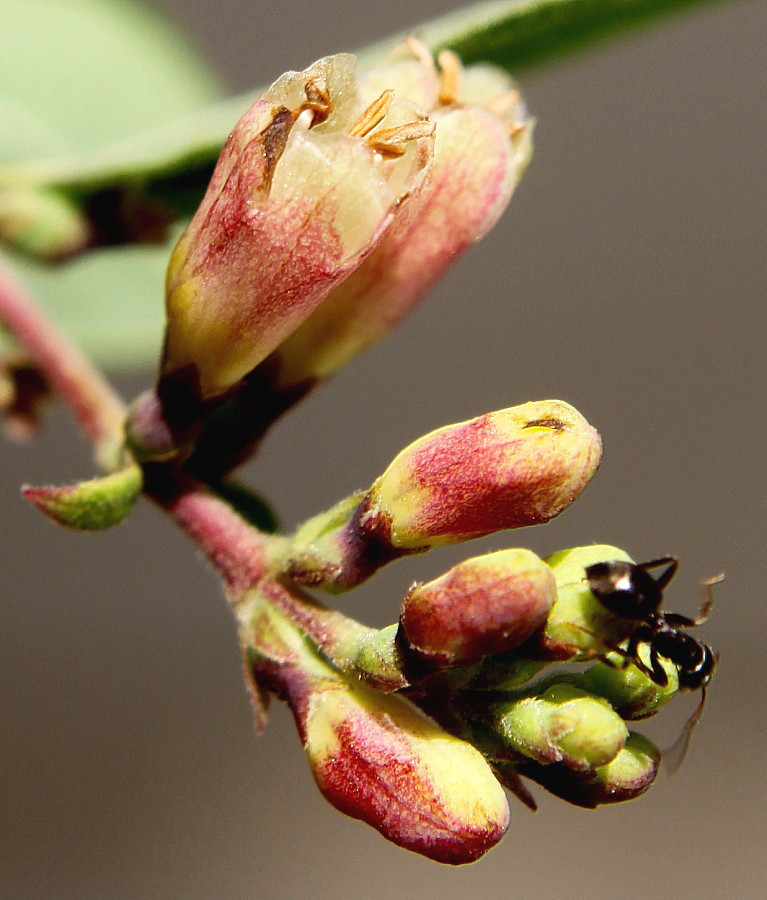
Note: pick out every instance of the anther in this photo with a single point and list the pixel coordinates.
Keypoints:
(317, 100)
(373, 115)
(391, 142)
(450, 78)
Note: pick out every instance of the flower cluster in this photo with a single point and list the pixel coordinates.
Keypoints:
(336, 203)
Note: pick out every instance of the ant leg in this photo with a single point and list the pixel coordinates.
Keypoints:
(708, 602)
(658, 674)
(663, 579)
(631, 653)
(608, 647)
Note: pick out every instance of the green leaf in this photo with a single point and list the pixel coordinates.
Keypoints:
(93, 72)
(75, 75)
(90, 505)
(250, 506)
(109, 301)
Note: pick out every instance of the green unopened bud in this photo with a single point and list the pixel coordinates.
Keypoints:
(563, 724)
(578, 622)
(488, 604)
(626, 777)
(520, 466)
(630, 692)
(42, 223)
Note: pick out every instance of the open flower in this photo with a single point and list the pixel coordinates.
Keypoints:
(482, 147)
(306, 185)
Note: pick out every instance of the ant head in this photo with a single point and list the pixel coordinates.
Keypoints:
(695, 661)
(625, 589)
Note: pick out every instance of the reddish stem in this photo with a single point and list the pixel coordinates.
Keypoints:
(236, 550)
(97, 408)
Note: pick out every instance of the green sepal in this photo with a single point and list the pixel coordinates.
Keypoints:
(374, 656)
(90, 505)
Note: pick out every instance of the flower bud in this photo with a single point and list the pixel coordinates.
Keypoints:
(628, 690)
(305, 187)
(374, 758)
(563, 725)
(519, 466)
(488, 604)
(578, 622)
(372, 755)
(626, 777)
(482, 147)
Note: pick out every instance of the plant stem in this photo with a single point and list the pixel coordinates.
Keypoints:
(98, 409)
(236, 550)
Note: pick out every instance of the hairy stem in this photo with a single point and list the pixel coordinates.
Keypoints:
(97, 408)
(235, 549)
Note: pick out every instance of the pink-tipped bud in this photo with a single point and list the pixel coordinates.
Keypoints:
(519, 466)
(306, 185)
(488, 604)
(376, 759)
(372, 755)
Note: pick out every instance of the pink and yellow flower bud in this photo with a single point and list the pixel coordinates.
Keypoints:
(520, 466)
(482, 147)
(305, 187)
(376, 759)
(372, 755)
(488, 604)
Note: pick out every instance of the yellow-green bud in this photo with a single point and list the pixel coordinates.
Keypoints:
(563, 724)
(577, 621)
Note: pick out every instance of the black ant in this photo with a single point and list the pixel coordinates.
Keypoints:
(629, 591)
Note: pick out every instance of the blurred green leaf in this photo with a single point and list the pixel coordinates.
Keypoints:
(74, 75)
(93, 71)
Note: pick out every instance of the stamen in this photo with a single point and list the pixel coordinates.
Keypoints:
(503, 104)
(317, 100)
(391, 142)
(373, 115)
(450, 78)
(420, 51)
(305, 119)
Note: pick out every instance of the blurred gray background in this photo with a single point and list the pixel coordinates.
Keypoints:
(627, 278)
